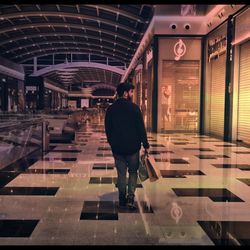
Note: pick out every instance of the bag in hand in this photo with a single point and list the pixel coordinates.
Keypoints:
(153, 171)
(143, 172)
(148, 169)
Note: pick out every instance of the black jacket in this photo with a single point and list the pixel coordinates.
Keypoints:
(124, 127)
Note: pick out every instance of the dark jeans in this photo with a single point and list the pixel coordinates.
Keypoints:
(122, 162)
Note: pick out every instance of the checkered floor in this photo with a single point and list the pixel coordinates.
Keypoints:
(69, 196)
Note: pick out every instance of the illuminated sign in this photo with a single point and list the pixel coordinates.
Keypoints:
(216, 47)
(31, 88)
(179, 49)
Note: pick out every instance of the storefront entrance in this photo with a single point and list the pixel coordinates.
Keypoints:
(179, 98)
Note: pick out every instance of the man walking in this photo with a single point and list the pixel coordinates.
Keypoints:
(126, 132)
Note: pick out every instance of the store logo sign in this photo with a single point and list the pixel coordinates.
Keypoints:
(216, 47)
(179, 49)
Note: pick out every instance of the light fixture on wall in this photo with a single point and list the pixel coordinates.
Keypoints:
(221, 13)
(173, 26)
(187, 26)
(209, 24)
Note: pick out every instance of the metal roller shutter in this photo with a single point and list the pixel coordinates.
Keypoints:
(218, 95)
(244, 94)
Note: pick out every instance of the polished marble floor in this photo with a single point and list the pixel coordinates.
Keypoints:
(68, 196)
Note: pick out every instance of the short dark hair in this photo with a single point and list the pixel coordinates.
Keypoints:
(122, 87)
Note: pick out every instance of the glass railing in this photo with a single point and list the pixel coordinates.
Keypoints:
(20, 135)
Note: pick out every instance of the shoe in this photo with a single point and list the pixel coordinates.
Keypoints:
(123, 203)
(131, 204)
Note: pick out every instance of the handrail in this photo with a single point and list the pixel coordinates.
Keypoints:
(7, 126)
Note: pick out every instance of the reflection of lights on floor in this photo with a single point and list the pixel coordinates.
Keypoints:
(176, 212)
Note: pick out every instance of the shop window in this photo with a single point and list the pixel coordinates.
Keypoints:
(179, 95)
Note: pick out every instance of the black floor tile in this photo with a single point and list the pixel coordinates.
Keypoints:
(242, 152)
(239, 166)
(208, 140)
(103, 166)
(59, 159)
(99, 216)
(104, 155)
(99, 210)
(46, 171)
(157, 145)
(99, 207)
(173, 161)
(138, 185)
(17, 228)
(157, 152)
(215, 194)
(104, 148)
(179, 173)
(200, 149)
(101, 180)
(201, 136)
(180, 139)
(226, 198)
(66, 151)
(227, 233)
(170, 135)
(6, 177)
(180, 143)
(28, 190)
(211, 156)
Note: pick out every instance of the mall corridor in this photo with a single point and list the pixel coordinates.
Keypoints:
(68, 195)
(60, 65)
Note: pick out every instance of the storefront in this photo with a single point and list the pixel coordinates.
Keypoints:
(179, 60)
(143, 82)
(215, 81)
(34, 93)
(11, 94)
(241, 88)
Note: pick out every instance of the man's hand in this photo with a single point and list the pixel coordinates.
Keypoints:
(146, 151)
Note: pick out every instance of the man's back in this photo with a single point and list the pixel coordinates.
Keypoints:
(124, 127)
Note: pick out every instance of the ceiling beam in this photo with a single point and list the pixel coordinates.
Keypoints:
(83, 65)
(49, 42)
(56, 34)
(64, 25)
(115, 10)
(66, 50)
(66, 14)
